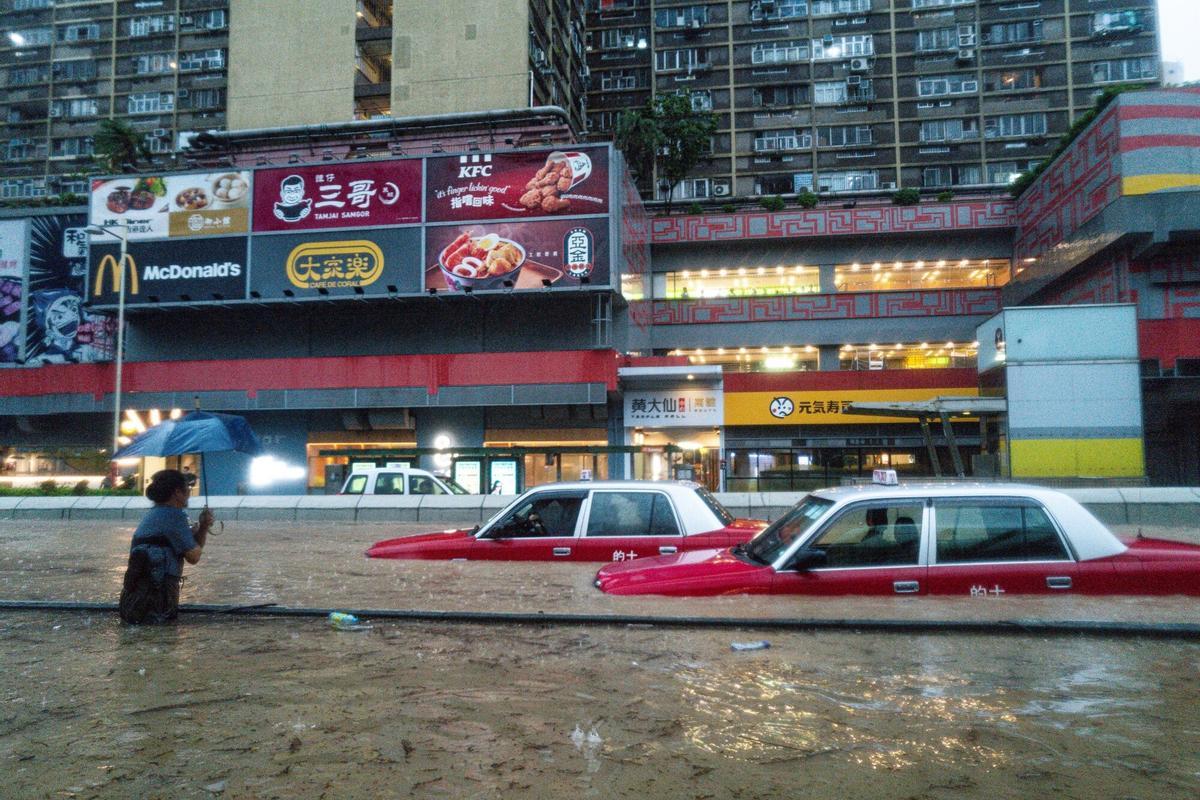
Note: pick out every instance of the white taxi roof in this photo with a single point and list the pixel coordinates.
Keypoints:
(1088, 535)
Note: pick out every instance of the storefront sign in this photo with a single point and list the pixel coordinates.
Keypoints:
(349, 263)
(484, 186)
(171, 206)
(169, 272)
(679, 409)
(336, 195)
(824, 407)
(518, 255)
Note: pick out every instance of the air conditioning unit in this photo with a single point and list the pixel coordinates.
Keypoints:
(966, 54)
(56, 111)
(860, 64)
(970, 86)
(720, 190)
(854, 80)
(158, 133)
(183, 93)
(827, 40)
(695, 25)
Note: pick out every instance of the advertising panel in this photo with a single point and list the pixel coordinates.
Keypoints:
(517, 255)
(674, 409)
(797, 407)
(338, 195)
(332, 264)
(172, 206)
(170, 272)
(486, 186)
(58, 329)
(12, 269)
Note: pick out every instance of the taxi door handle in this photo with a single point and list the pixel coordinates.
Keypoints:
(906, 587)
(667, 550)
(562, 551)
(1058, 582)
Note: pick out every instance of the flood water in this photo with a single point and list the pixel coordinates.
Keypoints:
(263, 708)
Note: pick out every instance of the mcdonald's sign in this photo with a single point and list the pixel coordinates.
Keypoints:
(109, 264)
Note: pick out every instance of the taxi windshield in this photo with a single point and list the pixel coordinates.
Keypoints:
(780, 534)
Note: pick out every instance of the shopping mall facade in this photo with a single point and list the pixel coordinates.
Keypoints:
(510, 312)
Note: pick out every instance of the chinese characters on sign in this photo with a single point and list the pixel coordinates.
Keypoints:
(338, 196)
(323, 265)
(170, 206)
(673, 409)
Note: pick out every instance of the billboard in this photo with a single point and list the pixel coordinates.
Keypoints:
(171, 206)
(338, 195)
(336, 264)
(518, 255)
(12, 288)
(191, 270)
(517, 185)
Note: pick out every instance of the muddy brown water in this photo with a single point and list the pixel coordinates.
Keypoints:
(265, 708)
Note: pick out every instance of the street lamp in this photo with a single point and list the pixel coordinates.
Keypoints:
(124, 237)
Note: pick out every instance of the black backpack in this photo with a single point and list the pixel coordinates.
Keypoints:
(145, 596)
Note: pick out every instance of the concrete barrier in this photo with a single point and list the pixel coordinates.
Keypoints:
(1151, 506)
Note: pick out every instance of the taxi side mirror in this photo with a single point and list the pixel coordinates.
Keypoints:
(809, 558)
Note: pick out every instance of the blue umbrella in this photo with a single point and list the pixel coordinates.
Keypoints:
(196, 432)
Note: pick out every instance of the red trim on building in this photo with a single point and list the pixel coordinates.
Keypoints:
(1153, 111)
(1169, 339)
(851, 379)
(342, 372)
(1131, 143)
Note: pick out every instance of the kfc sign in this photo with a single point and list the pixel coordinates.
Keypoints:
(348, 195)
(475, 166)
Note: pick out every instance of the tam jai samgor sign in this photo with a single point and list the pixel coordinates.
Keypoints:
(338, 196)
(673, 409)
(823, 407)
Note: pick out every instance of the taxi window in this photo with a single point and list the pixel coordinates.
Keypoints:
(544, 514)
(990, 530)
(356, 484)
(873, 535)
(631, 514)
(389, 483)
(423, 484)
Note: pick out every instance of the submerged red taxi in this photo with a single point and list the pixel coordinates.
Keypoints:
(587, 521)
(974, 540)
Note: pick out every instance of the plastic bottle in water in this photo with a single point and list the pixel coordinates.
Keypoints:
(340, 619)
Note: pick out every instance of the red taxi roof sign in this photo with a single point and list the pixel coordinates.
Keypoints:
(885, 477)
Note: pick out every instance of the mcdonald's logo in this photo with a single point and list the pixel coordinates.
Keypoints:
(109, 262)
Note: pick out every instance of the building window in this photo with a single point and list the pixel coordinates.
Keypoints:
(773, 96)
(832, 47)
(153, 64)
(31, 37)
(948, 130)
(849, 181)
(201, 59)
(844, 136)
(1015, 125)
(1015, 80)
(784, 9)
(214, 20)
(689, 59)
(74, 109)
(919, 4)
(146, 26)
(24, 149)
(942, 273)
(1125, 69)
(72, 147)
(1029, 30)
(83, 32)
(15, 189)
(952, 175)
(622, 79)
(1005, 172)
(601, 121)
(828, 93)
(1118, 23)
(26, 76)
(682, 17)
(937, 39)
(909, 355)
(782, 140)
(30, 5)
(701, 100)
(946, 84)
(830, 8)
(81, 70)
(779, 53)
(623, 38)
(689, 189)
(150, 102)
(158, 142)
(198, 99)
(750, 281)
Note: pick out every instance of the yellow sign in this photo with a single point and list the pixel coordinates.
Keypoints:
(109, 262)
(208, 222)
(329, 265)
(823, 407)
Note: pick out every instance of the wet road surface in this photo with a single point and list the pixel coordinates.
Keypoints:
(264, 708)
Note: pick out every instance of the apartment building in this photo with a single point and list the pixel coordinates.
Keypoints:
(64, 66)
(867, 95)
(373, 59)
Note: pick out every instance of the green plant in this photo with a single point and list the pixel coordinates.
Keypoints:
(806, 199)
(772, 203)
(48, 487)
(906, 197)
(80, 488)
(668, 134)
(695, 208)
(118, 146)
(728, 208)
(945, 197)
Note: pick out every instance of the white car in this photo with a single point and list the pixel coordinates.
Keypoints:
(399, 480)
